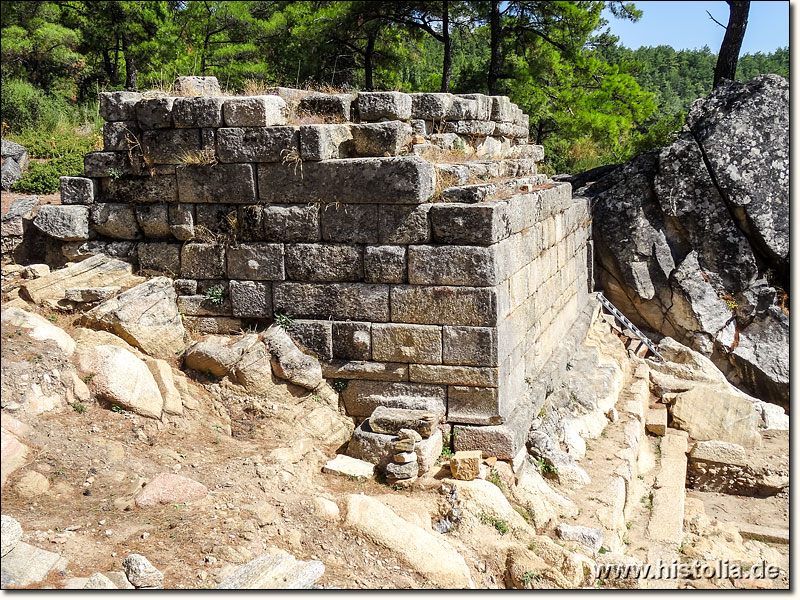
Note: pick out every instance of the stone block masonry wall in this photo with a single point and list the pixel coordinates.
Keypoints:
(408, 236)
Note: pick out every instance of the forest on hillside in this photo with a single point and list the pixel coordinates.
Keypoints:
(591, 100)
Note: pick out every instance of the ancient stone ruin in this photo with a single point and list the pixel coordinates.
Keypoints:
(406, 240)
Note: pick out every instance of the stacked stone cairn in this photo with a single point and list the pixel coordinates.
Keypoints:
(410, 238)
(403, 431)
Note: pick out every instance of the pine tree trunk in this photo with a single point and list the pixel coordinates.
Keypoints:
(494, 44)
(732, 42)
(131, 71)
(368, 53)
(446, 64)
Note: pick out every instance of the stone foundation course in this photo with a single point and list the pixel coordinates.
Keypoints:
(405, 240)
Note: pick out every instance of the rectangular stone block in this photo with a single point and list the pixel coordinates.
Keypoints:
(200, 305)
(501, 109)
(291, 223)
(116, 221)
(77, 190)
(314, 336)
(181, 221)
(154, 113)
(324, 142)
(259, 262)
(250, 223)
(171, 146)
(385, 264)
(153, 220)
(251, 299)
(352, 340)
(381, 139)
(213, 325)
(199, 111)
(219, 220)
(452, 265)
(484, 102)
(232, 183)
(118, 106)
(397, 342)
(254, 111)
(335, 107)
(202, 261)
(257, 144)
(117, 133)
(373, 106)
(444, 305)
(462, 109)
(105, 164)
(403, 224)
(480, 224)
(350, 223)
(454, 375)
(324, 262)
(430, 107)
(474, 405)
(160, 257)
(362, 301)
(361, 397)
(138, 190)
(359, 369)
(476, 128)
(471, 346)
(392, 180)
(185, 287)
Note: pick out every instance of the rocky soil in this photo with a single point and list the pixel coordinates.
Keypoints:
(132, 456)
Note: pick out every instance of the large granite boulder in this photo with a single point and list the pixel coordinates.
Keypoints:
(692, 240)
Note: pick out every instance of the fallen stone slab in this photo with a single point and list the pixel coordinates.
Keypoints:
(217, 354)
(119, 579)
(98, 581)
(168, 488)
(708, 414)
(430, 555)
(13, 454)
(349, 467)
(274, 571)
(288, 362)
(669, 493)
(91, 294)
(656, 420)
(26, 565)
(96, 271)
(38, 328)
(591, 537)
(392, 420)
(10, 534)
(379, 448)
(141, 573)
(761, 533)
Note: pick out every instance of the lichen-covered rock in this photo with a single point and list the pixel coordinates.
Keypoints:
(67, 223)
(684, 236)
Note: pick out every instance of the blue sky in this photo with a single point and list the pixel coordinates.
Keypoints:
(686, 25)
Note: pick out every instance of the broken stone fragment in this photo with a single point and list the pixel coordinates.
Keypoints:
(393, 420)
(466, 464)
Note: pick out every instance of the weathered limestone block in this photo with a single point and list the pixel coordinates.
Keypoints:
(710, 414)
(462, 109)
(392, 180)
(381, 139)
(391, 420)
(154, 113)
(260, 262)
(403, 224)
(256, 144)
(199, 111)
(476, 128)
(314, 336)
(444, 305)
(200, 306)
(333, 300)
(203, 261)
(532, 151)
(104, 164)
(656, 420)
(430, 107)
(472, 346)
(454, 375)
(349, 223)
(181, 221)
(119, 106)
(476, 405)
(324, 142)
(91, 294)
(251, 299)
(217, 219)
(385, 264)
(373, 106)
(324, 262)
(466, 464)
(231, 183)
(393, 342)
(362, 369)
(482, 224)
(291, 223)
(77, 251)
(194, 85)
(501, 109)
(254, 111)
(159, 188)
(288, 362)
(116, 221)
(160, 257)
(171, 146)
(362, 397)
(154, 220)
(334, 107)
(452, 265)
(117, 133)
(77, 190)
(484, 102)
(68, 223)
(352, 340)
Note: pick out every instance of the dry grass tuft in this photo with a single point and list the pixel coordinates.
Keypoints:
(206, 156)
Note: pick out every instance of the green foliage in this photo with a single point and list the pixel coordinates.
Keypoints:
(43, 178)
(79, 408)
(544, 467)
(283, 321)
(499, 524)
(446, 454)
(338, 385)
(530, 576)
(215, 294)
(117, 409)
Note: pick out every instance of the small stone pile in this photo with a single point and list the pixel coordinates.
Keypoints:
(410, 427)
